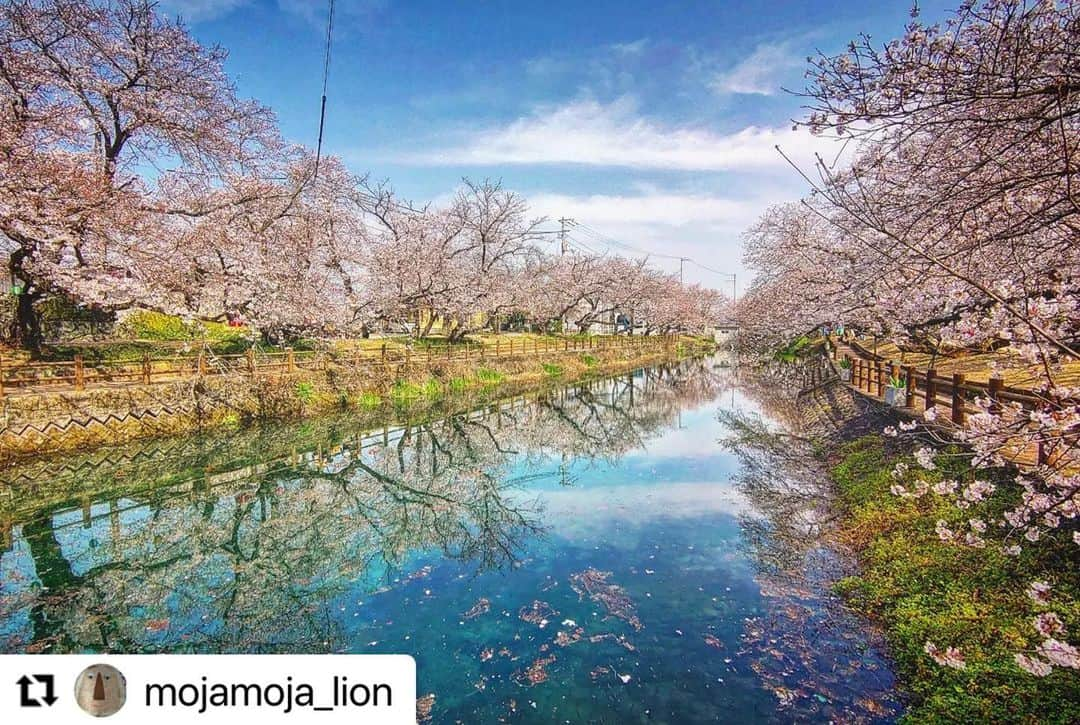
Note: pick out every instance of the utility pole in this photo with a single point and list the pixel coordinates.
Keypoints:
(682, 260)
(564, 222)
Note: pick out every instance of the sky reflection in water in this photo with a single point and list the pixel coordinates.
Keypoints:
(581, 555)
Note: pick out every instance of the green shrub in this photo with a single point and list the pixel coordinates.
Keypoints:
(552, 370)
(459, 385)
(149, 325)
(589, 360)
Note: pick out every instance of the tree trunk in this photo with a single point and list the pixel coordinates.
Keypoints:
(26, 329)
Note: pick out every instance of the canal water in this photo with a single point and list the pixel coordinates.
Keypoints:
(593, 553)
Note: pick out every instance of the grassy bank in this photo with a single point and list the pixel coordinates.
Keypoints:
(922, 589)
(53, 421)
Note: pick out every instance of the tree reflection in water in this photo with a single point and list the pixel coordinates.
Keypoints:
(805, 647)
(237, 542)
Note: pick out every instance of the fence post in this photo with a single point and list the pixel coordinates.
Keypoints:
(882, 374)
(909, 375)
(290, 359)
(79, 379)
(996, 384)
(1, 376)
(146, 367)
(931, 388)
(200, 363)
(496, 347)
(249, 354)
(957, 398)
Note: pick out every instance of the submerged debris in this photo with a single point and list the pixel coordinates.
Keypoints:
(713, 642)
(423, 707)
(483, 606)
(420, 573)
(535, 673)
(599, 672)
(595, 584)
(538, 613)
(563, 639)
(618, 638)
(487, 654)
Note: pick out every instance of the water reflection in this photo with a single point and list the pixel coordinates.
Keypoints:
(231, 543)
(589, 553)
(820, 661)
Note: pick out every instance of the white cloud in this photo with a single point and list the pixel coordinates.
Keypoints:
(761, 72)
(588, 132)
(656, 209)
(704, 227)
(197, 11)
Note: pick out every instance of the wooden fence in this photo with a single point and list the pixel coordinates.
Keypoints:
(80, 374)
(954, 395)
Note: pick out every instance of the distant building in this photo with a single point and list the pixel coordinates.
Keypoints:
(725, 333)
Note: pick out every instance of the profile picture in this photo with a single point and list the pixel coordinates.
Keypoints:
(100, 690)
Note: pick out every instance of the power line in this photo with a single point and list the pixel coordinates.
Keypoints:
(325, 79)
(593, 233)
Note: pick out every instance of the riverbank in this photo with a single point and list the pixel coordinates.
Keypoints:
(922, 589)
(56, 421)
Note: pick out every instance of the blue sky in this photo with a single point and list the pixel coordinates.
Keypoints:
(653, 123)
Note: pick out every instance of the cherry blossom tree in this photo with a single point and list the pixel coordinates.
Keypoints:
(93, 95)
(955, 224)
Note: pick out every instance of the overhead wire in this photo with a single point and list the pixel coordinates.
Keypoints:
(325, 80)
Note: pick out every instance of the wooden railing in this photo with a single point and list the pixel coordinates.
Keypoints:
(953, 394)
(80, 374)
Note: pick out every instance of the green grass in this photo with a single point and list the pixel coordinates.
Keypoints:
(369, 400)
(487, 376)
(458, 385)
(431, 388)
(305, 391)
(551, 370)
(403, 392)
(589, 360)
(922, 589)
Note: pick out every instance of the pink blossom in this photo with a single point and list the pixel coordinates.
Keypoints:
(951, 657)
(943, 531)
(1060, 653)
(1039, 591)
(1048, 624)
(925, 458)
(945, 487)
(1033, 665)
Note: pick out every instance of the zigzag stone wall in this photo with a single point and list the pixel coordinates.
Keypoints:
(61, 421)
(58, 421)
